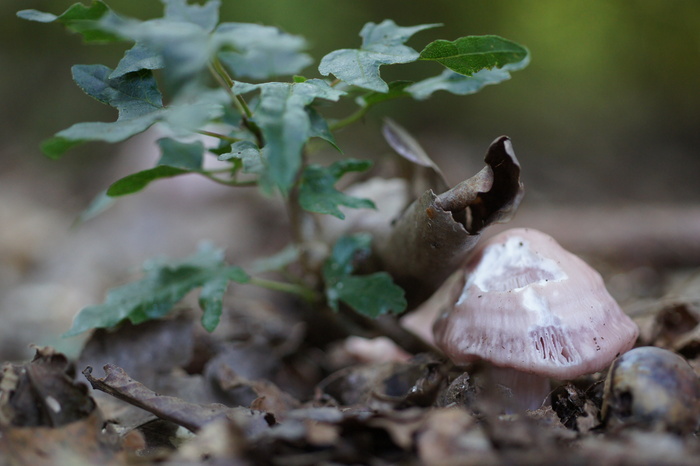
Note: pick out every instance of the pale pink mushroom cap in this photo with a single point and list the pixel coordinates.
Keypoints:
(530, 305)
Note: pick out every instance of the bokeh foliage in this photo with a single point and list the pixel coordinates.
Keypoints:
(612, 83)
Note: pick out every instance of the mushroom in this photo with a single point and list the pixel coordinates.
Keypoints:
(534, 311)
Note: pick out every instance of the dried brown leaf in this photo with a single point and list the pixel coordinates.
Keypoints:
(386, 385)
(451, 436)
(423, 174)
(219, 440)
(436, 232)
(192, 416)
(146, 351)
(43, 392)
(80, 442)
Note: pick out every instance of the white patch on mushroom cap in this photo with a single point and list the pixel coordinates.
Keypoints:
(512, 266)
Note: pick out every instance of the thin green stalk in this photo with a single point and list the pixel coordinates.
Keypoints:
(209, 175)
(218, 136)
(303, 292)
(239, 102)
(350, 119)
(223, 78)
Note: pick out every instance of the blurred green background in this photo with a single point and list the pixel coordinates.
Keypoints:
(608, 110)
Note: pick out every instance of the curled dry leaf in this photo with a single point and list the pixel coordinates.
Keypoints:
(453, 436)
(83, 441)
(436, 232)
(47, 418)
(42, 392)
(220, 440)
(417, 167)
(147, 351)
(387, 385)
(676, 319)
(192, 416)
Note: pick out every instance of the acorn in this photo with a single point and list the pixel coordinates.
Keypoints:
(652, 389)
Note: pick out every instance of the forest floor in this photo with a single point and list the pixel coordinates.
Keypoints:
(277, 384)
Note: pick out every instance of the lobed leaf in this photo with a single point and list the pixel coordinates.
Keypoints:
(470, 54)
(286, 125)
(249, 155)
(211, 300)
(138, 58)
(345, 252)
(182, 44)
(78, 18)
(460, 84)
(138, 181)
(320, 128)
(205, 16)
(177, 158)
(98, 131)
(382, 44)
(187, 155)
(317, 191)
(371, 295)
(261, 52)
(133, 94)
(99, 204)
(164, 284)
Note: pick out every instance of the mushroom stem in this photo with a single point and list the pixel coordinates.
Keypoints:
(518, 391)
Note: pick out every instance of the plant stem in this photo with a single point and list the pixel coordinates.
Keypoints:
(303, 292)
(218, 136)
(216, 179)
(350, 119)
(223, 78)
(239, 102)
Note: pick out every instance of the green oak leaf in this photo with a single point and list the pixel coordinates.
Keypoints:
(320, 128)
(177, 158)
(137, 58)
(470, 54)
(286, 126)
(180, 44)
(249, 155)
(116, 131)
(382, 44)
(371, 295)
(99, 204)
(345, 251)
(211, 298)
(163, 285)
(460, 84)
(261, 52)
(135, 96)
(205, 16)
(138, 181)
(187, 155)
(78, 18)
(317, 191)
(193, 109)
